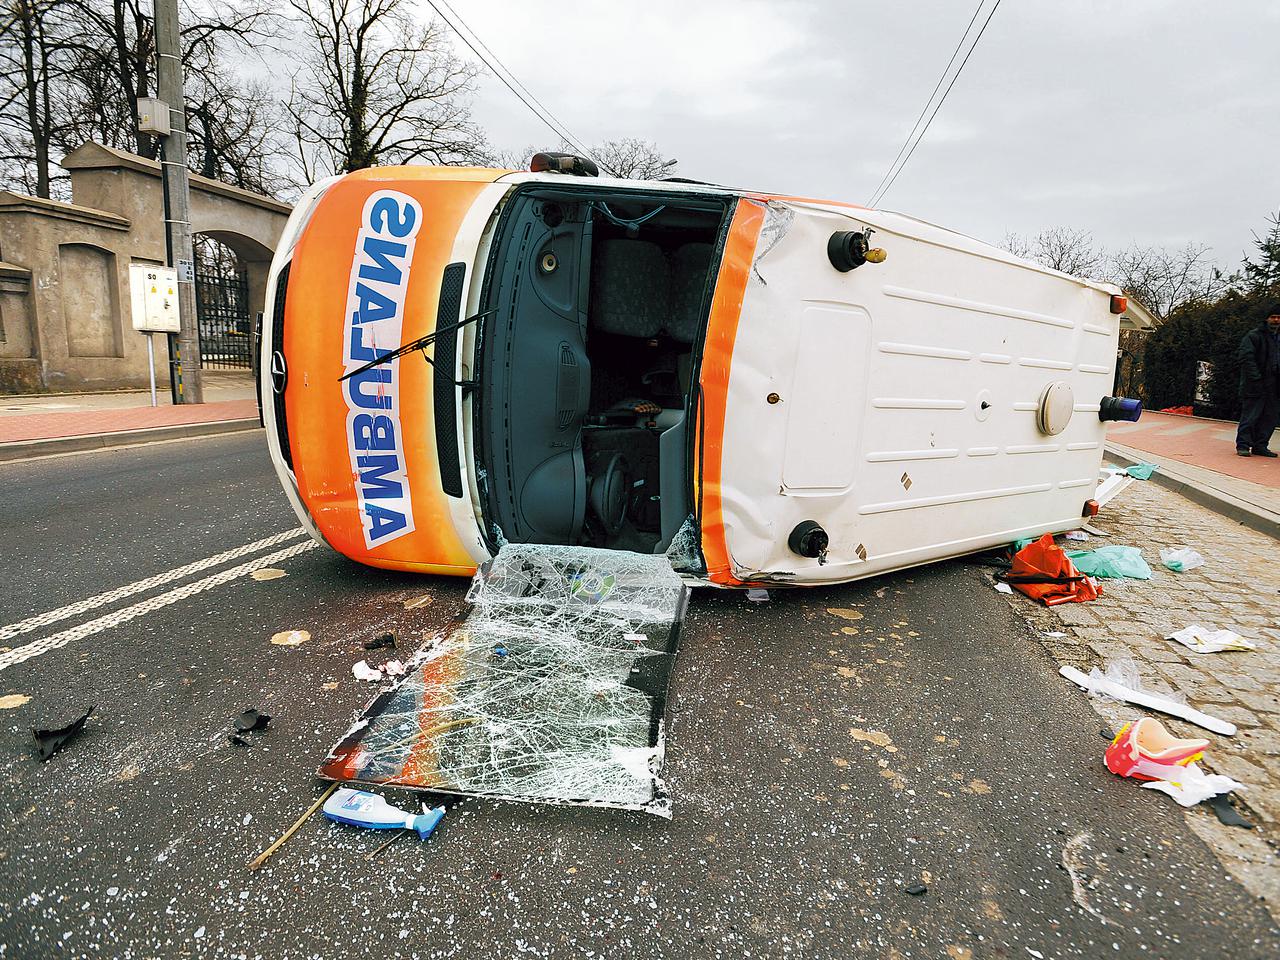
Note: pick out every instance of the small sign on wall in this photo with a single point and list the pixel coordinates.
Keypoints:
(153, 290)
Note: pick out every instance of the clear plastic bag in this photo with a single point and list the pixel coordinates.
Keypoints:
(1180, 559)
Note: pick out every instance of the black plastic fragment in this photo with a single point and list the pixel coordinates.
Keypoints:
(916, 889)
(1226, 813)
(237, 741)
(49, 742)
(377, 643)
(252, 720)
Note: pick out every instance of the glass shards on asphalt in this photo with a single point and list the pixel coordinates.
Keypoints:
(552, 689)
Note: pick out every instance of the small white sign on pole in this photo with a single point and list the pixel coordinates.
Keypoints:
(153, 290)
(153, 293)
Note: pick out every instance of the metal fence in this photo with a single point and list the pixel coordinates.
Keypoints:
(226, 330)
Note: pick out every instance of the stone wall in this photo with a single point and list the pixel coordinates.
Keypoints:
(65, 320)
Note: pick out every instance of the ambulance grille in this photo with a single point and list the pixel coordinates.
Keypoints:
(277, 348)
(445, 393)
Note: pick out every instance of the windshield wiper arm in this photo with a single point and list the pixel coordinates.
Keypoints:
(420, 344)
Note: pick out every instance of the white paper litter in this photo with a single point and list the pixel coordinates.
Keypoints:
(1195, 786)
(1180, 559)
(1203, 640)
(757, 595)
(362, 671)
(1079, 535)
(1003, 587)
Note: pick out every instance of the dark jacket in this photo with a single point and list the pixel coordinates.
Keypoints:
(1257, 357)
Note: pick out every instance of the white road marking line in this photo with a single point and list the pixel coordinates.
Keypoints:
(36, 647)
(119, 593)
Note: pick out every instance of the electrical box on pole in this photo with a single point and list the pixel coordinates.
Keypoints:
(153, 116)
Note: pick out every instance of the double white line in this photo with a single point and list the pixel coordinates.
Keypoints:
(36, 647)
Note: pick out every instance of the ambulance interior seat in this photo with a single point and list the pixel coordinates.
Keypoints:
(586, 366)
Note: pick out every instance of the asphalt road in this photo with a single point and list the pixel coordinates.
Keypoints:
(815, 771)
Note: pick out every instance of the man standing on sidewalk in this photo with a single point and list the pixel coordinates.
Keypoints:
(1259, 358)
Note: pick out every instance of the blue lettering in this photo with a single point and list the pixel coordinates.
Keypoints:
(375, 377)
(382, 270)
(374, 306)
(373, 432)
(388, 207)
(373, 476)
(385, 522)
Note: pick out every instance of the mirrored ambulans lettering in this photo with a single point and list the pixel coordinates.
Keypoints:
(374, 321)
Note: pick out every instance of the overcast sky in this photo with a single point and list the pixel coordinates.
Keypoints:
(1140, 120)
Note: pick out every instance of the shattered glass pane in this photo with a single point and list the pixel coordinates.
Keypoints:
(778, 218)
(685, 551)
(551, 689)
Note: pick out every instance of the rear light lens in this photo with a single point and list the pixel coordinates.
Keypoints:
(1119, 304)
(1090, 509)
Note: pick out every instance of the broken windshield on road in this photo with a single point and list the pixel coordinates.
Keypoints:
(551, 689)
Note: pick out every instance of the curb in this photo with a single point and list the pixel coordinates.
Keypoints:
(30, 449)
(1247, 514)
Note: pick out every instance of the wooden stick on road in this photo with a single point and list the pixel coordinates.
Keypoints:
(265, 854)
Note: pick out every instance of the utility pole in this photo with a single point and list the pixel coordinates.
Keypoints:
(177, 190)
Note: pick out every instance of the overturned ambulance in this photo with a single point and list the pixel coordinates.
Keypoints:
(795, 391)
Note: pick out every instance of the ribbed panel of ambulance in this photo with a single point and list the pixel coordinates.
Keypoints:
(905, 417)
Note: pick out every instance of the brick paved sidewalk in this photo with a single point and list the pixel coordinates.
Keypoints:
(1238, 588)
(44, 426)
(1210, 444)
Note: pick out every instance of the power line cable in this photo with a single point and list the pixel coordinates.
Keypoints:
(876, 199)
(501, 71)
(925, 109)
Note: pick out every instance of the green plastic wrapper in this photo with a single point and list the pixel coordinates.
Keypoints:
(1111, 562)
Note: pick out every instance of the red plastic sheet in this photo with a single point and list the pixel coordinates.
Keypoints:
(1042, 571)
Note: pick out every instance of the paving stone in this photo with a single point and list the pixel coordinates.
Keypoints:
(1238, 588)
(1266, 702)
(1075, 615)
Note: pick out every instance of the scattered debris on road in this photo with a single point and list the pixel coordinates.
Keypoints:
(1226, 812)
(1098, 683)
(359, 808)
(268, 573)
(1142, 471)
(757, 595)
(916, 889)
(266, 854)
(252, 720)
(12, 700)
(290, 638)
(1180, 559)
(1113, 562)
(362, 671)
(49, 742)
(1043, 571)
(1203, 640)
(380, 641)
(552, 689)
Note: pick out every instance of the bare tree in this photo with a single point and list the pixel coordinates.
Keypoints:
(634, 159)
(1164, 279)
(1060, 248)
(37, 51)
(377, 86)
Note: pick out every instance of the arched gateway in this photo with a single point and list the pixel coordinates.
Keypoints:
(64, 272)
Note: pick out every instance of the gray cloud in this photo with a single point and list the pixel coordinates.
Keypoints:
(1143, 120)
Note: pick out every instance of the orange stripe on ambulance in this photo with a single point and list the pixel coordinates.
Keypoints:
(389, 224)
